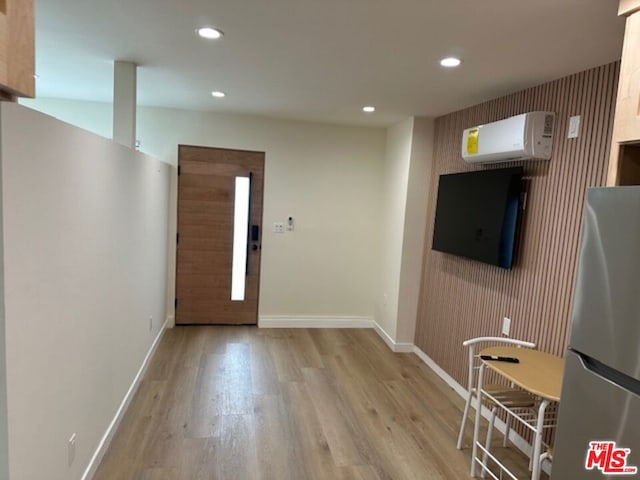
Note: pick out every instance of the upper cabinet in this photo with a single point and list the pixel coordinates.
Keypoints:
(624, 163)
(17, 49)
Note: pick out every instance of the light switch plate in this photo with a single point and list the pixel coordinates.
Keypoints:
(506, 326)
(278, 227)
(574, 127)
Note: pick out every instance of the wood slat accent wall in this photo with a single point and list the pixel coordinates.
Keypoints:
(461, 298)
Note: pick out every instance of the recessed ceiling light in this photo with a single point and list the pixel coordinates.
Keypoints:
(209, 33)
(450, 62)
(218, 94)
(369, 109)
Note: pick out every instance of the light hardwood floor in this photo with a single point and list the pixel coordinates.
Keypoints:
(245, 403)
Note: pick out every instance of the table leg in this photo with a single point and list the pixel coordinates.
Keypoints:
(537, 440)
(476, 426)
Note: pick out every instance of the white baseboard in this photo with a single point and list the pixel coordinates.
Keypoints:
(171, 321)
(397, 347)
(113, 426)
(516, 439)
(269, 321)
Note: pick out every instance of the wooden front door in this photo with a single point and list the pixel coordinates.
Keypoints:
(219, 201)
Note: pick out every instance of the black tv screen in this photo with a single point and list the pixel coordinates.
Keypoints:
(477, 215)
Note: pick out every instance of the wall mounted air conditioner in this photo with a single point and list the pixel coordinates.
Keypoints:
(526, 136)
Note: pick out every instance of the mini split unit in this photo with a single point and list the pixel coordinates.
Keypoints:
(523, 137)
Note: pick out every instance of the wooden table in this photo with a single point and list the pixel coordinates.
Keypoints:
(538, 373)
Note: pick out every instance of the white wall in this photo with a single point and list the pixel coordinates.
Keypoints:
(85, 229)
(4, 439)
(391, 231)
(97, 117)
(409, 152)
(415, 224)
(351, 249)
(327, 177)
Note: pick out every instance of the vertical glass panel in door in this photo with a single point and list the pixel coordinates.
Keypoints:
(240, 232)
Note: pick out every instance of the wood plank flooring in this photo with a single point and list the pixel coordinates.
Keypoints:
(247, 403)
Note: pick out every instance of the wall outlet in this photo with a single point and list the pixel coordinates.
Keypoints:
(506, 326)
(385, 299)
(150, 323)
(278, 227)
(71, 449)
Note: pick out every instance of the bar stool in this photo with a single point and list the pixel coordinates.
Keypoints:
(507, 394)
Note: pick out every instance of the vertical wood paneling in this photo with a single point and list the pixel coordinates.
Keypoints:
(461, 298)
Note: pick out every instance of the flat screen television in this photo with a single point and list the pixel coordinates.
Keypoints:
(477, 215)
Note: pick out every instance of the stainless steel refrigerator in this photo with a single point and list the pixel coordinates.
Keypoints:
(598, 433)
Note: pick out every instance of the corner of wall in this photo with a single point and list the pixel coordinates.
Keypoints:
(395, 179)
(396, 347)
(4, 421)
(415, 223)
(172, 229)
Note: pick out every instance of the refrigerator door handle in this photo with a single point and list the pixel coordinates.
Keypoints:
(609, 374)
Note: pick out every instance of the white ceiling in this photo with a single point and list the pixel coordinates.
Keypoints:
(320, 60)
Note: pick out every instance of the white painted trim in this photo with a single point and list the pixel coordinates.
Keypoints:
(269, 321)
(516, 439)
(397, 347)
(272, 321)
(403, 347)
(171, 321)
(113, 426)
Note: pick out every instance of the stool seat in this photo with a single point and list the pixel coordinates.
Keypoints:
(508, 396)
